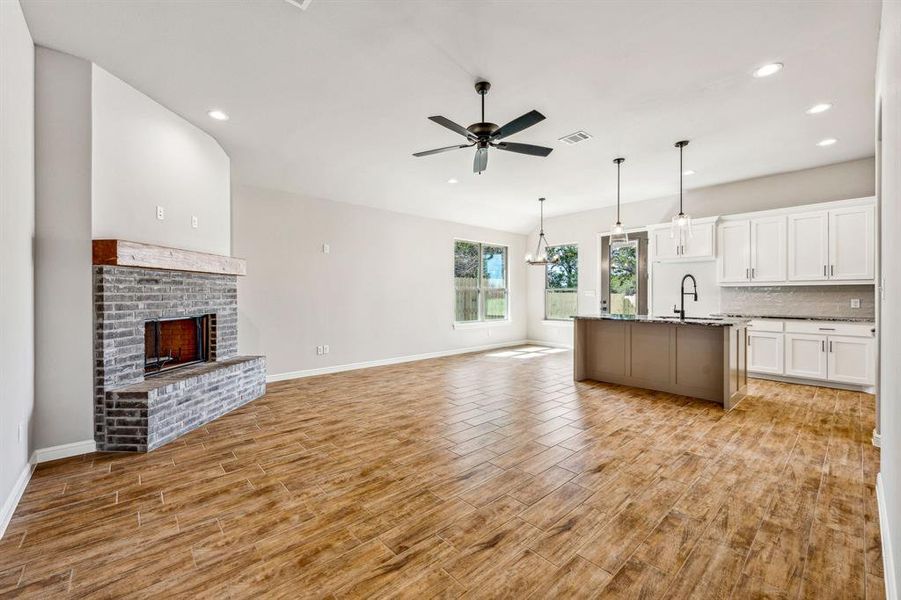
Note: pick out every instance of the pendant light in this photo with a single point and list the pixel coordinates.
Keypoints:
(541, 257)
(681, 224)
(618, 232)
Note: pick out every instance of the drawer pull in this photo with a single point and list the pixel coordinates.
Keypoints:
(826, 328)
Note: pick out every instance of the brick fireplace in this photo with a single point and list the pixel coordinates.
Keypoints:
(165, 344)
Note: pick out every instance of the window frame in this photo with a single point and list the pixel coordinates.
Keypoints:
(575, 290)
(480, 288)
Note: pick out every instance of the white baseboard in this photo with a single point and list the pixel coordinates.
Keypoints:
(15, 494)
(869, 389)
(391, 361)
(888, 561)
(63, 451)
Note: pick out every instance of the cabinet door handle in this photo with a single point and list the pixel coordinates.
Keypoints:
(824, 270)
(831, 270)
(830, 346)
(752, 272)
(747, 273)
(823, 342)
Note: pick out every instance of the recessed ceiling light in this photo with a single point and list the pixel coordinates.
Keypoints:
(767, 70)
(688, 172)
(218, 115)
(827, 142)
(818, 108)
(452, 180)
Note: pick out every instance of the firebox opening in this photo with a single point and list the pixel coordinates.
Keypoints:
(173, 343)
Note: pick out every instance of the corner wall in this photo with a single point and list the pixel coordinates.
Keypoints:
(16, 255)
(888, 94)
(853, 179)
(63, 303)
(384, 291)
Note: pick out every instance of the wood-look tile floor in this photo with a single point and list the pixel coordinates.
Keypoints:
(482, 475)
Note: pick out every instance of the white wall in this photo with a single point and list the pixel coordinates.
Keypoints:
(888, 92)
(16, 260)
(852, 179)
(63, 288)
(385, 289)
(146, 156)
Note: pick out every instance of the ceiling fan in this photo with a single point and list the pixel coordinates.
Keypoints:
(488, 135)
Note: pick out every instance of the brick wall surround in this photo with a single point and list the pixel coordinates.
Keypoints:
(126, 413)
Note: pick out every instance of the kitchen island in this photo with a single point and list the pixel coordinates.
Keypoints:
(701, 358)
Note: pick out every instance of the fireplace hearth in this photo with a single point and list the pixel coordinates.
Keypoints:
(165, 344)
(176, 342)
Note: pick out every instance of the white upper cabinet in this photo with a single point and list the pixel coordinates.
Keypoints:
(852, 247)
(734, 257)
(665, 247)
(700, 243)
(808, 246)
(751, 250)
(697, 246)
(768, 249)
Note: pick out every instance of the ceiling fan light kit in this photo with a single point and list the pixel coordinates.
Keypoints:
(541, 256)
(485, 135)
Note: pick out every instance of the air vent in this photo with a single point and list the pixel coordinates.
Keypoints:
(575, 138)
(301, 4)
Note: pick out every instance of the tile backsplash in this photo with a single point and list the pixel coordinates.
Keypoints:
(800, 301)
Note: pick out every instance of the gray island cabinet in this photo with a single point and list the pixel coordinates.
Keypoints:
(701, 358)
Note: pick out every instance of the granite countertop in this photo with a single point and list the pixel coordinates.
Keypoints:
(800, 318)
(705, 321)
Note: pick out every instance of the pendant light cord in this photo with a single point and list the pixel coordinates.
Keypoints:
(681, 212)
(618, 165)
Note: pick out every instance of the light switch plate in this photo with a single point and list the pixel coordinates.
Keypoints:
(325, 349)
(855, 302)
(160, 213)
(194, 222)
(325, 249)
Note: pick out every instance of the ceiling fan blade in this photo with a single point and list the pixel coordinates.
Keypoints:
(480, 163)
(440, 150)
(518, 124)
(524, 148)
(445, 122)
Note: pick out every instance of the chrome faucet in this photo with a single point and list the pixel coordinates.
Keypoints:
(693, 294)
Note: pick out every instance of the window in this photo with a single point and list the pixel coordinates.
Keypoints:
(624, 278)
(480, 282)
(561, 288)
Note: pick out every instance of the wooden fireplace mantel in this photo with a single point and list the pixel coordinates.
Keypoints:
(135, 254)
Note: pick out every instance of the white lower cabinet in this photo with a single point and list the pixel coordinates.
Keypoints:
(851, 360)
(827, 351)
(805, 355)
(765, 352)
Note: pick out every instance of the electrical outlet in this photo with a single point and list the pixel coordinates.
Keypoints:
(325, 349)
(319, 350)
(855, 302)
(194, 222)
(160, 213)
(325, 249)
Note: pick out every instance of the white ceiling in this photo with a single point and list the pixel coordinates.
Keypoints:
(331, 102)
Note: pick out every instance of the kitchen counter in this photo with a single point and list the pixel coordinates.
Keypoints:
(715, 321)
(703, 358)
(797, 318)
